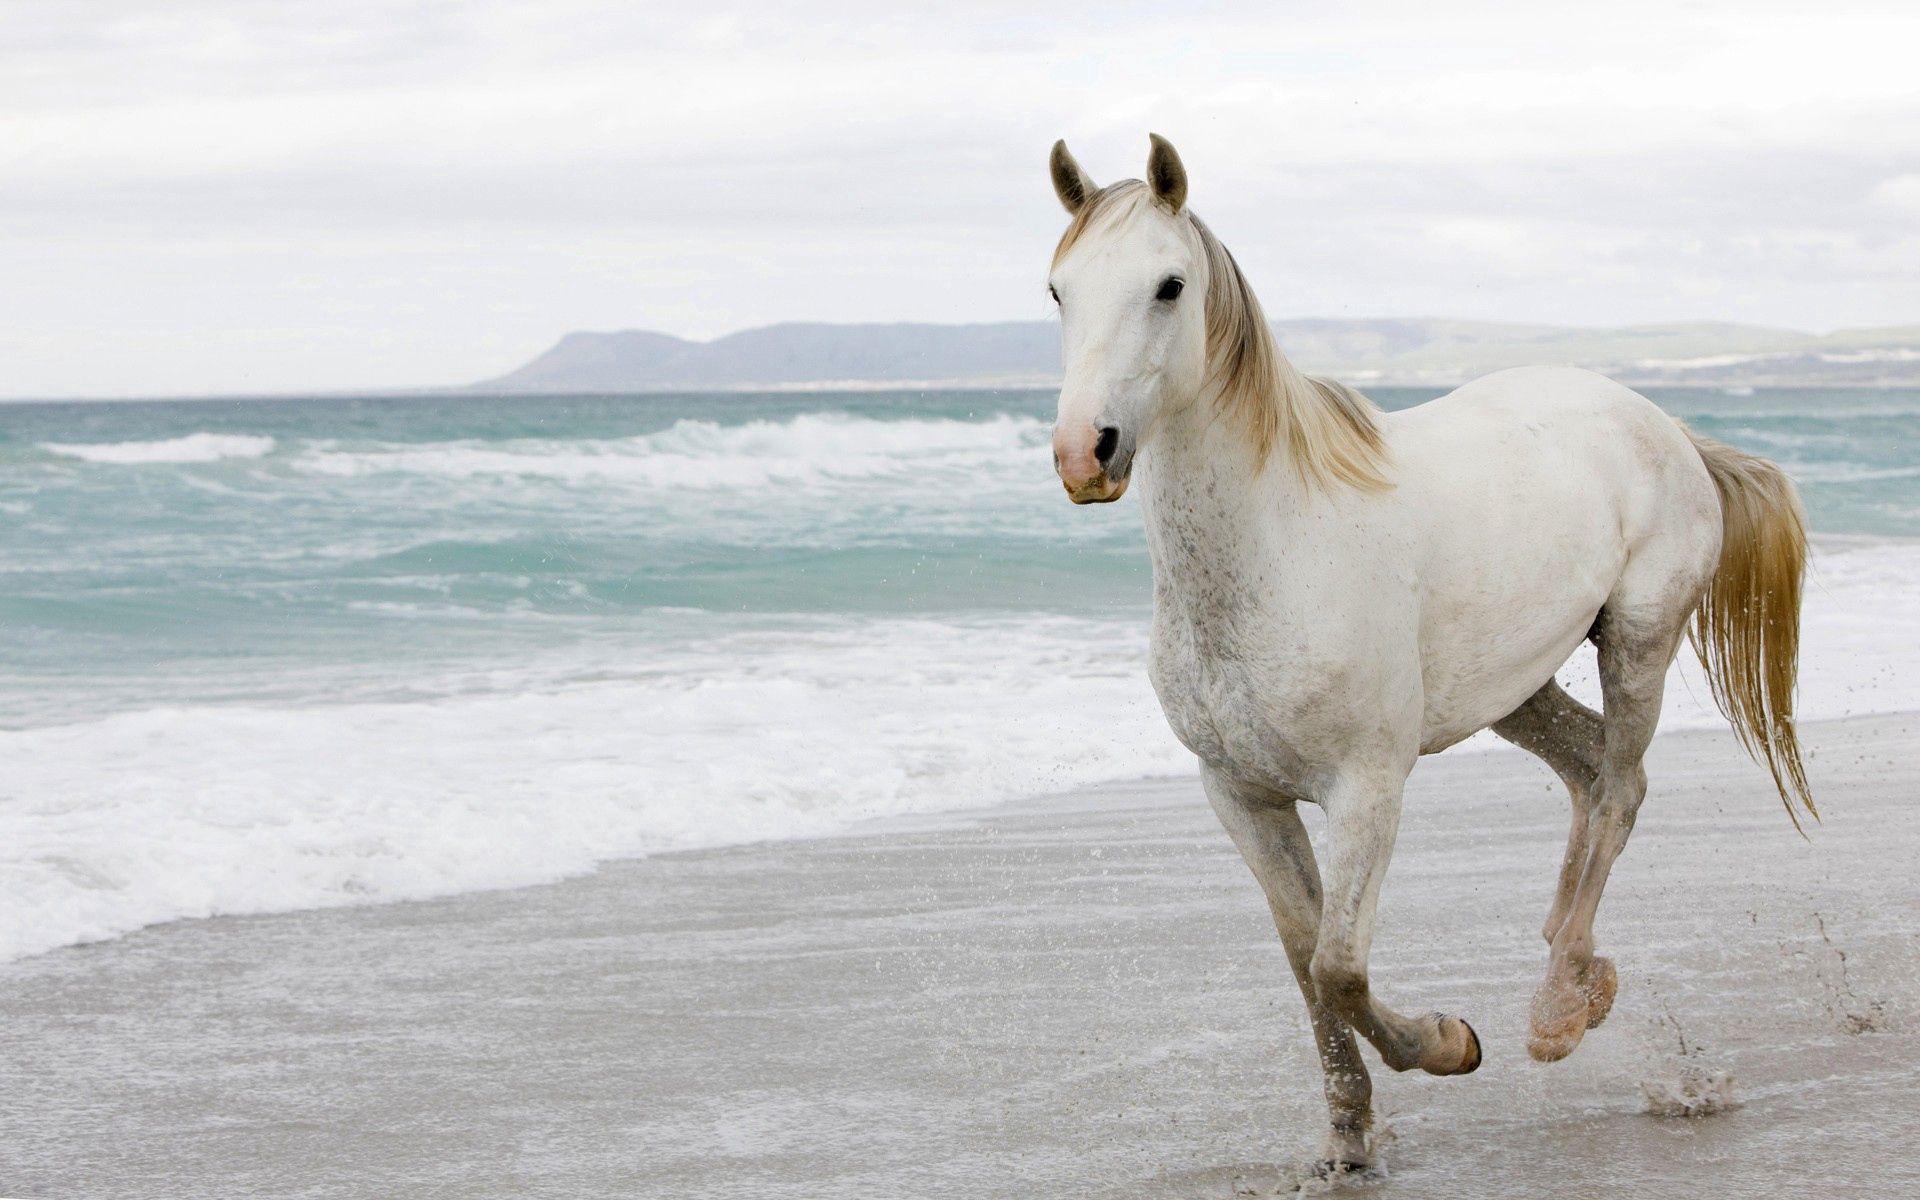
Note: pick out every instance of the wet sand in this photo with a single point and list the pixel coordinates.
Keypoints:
(1076, 996)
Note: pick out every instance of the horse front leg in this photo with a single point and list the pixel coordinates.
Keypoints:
(1363, 817)
(1270, 837)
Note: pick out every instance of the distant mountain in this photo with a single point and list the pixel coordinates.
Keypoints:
(794, 353)
(1027, 353)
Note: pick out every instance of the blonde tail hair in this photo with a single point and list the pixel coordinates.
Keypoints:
(1747, 629)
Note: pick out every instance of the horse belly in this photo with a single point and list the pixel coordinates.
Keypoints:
(1462, 705)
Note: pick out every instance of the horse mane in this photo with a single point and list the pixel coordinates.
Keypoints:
(1329, 429)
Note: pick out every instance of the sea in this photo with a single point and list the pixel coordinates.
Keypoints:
(269, 654)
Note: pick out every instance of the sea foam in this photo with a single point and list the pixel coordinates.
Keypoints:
(189, 811)
(814, 448)
(192, 448)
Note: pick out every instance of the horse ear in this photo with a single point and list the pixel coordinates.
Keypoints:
(1070, 183)
(1165, 174)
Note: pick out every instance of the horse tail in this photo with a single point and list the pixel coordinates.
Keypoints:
(1747, 629)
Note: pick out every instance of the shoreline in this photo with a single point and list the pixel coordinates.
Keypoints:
(1070, 994)
(937, 820)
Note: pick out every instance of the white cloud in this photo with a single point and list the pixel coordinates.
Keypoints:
(1900, 194)
(321, 194)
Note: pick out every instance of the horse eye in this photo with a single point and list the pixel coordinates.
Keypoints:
(1171, 289)
(1054, 294)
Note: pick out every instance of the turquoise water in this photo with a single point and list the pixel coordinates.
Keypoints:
(228, 548)
(258, 655)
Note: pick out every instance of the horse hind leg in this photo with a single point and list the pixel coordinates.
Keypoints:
(1637, 645)
(1569, 737)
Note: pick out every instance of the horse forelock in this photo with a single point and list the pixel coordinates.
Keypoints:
(1110, 205)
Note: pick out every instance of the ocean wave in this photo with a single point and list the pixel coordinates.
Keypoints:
(1848, 404)
(1846, 472)
(814, 448)
(194, 810)
(193, 448)
(687, 741)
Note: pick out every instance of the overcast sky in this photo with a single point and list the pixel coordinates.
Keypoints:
(214, 197)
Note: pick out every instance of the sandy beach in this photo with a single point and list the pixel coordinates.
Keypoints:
(1078, 995)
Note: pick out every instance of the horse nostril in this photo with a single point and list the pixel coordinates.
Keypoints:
(1108, 443)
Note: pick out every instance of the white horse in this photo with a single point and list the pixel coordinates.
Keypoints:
(1339, 590)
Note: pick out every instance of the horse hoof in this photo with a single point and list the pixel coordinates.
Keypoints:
(1470, 1062)
(1559, 1022)
(1551, 1048)
(1460, 1053)
(1599, 983)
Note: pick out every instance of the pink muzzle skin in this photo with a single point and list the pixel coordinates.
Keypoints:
(1081, 472)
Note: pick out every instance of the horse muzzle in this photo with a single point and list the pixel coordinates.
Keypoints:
(1094, 462)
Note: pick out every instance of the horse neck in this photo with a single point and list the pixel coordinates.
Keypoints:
(1212, 513)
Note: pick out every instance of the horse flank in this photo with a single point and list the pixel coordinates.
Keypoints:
(1329, 429)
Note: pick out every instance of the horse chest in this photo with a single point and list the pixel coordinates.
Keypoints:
(1231, 711)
